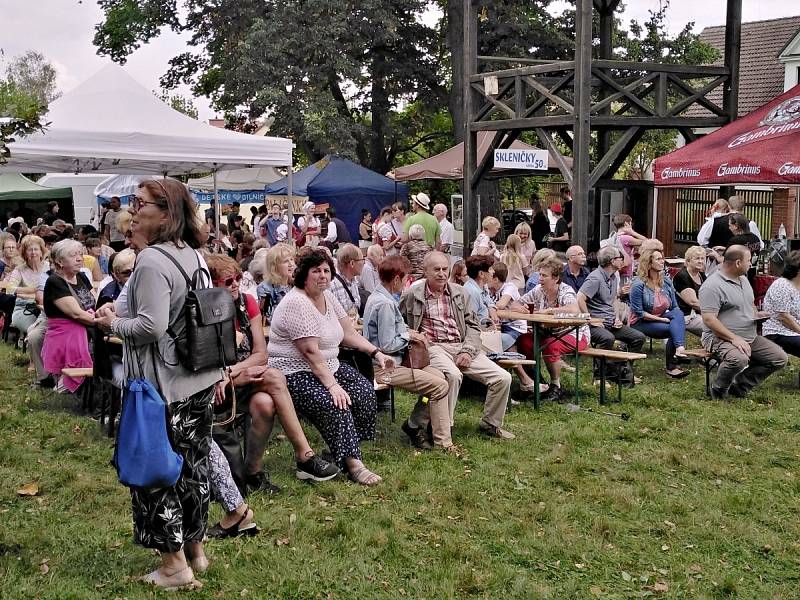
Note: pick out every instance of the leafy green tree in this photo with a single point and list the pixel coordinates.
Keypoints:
(28, 86)
(35, 75)
(331, 75)
(180, 103)
(20, 115)
(652, 42)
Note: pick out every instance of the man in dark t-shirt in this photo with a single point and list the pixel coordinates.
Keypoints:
(559, 241)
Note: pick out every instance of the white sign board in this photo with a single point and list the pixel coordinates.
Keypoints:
(536, 160)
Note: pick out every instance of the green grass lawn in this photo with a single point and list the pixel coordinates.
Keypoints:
(688, 499)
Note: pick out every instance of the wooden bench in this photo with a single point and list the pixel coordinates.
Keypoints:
(708, 361)
(603, 356)
(380, 387)
(510, 364)
(87, 391)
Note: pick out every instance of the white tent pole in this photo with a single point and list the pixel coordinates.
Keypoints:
(216, 204)
(290, 212)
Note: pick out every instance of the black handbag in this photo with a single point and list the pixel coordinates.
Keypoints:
(209, 337)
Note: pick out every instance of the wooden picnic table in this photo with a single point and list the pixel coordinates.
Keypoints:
(542, 321)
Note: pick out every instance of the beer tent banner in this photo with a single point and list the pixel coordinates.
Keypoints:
(762, 147)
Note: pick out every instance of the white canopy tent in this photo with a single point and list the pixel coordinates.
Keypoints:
(112, 124)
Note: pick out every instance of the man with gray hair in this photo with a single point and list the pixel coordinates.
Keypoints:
(446, 230)
(729, 328)
(369, 274)
(440, 311)
(596, 297)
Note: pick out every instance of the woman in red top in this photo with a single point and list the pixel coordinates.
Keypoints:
(260, 391)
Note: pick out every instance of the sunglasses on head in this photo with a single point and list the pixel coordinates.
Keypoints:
(229, 281)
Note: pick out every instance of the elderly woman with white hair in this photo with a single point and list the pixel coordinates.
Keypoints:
(69, 306)
(416, 249)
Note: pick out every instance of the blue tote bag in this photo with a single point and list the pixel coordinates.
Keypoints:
(143, 455)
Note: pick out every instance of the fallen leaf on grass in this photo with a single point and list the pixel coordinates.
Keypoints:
(595, 590)
(616, 457)
(29, 489)
(282, 541)
(44, 567)
(665, 547)
(659, 586)
(626, 576)
(670, 524)
(695, 569)
(292, 519)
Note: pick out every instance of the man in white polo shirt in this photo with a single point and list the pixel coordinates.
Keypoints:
(446, 230)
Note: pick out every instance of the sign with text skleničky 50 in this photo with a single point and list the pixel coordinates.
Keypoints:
(535, 159)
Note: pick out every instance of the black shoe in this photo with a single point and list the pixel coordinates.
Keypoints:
(737, 391)
(555, 393)
(677, 373)
(316, 469)
(47, 383)
(717, 394)
(260, 482)
(235, 530)
(417, 436)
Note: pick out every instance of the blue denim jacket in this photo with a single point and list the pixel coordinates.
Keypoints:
(479, 299)
(384, 326)
(642, 296)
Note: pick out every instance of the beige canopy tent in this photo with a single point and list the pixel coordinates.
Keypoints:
(450, 163)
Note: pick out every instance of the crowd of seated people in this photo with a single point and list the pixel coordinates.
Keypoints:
(323, 325)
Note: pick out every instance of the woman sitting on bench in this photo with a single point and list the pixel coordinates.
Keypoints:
(552, 296)
(655, 311)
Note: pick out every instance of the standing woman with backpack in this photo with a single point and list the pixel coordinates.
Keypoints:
(170, 519)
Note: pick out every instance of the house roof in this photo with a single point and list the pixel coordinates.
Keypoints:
(761, 74)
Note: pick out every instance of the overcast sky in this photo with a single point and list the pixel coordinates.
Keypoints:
(63, 29)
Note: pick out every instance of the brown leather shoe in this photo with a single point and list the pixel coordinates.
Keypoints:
(495, 432)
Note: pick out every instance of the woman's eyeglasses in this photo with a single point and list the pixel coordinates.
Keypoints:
(139, 203)
(125, 273)
(229, 281)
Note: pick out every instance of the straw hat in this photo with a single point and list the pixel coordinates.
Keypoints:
(423, 200)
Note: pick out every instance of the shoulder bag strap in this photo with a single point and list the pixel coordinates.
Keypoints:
(189, 284)
(346, 288)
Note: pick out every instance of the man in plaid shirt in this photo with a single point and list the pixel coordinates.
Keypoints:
(439, 309)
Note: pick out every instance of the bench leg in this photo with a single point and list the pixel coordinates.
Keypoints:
(602, 380)
(707, 365)
(391, 403)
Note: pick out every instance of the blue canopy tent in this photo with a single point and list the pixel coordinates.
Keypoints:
(344, 185)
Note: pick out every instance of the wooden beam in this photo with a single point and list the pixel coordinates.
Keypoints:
(487, 106)
(470, 206)
(688, 134)
(542, 101)
(500, 139)
(733, 46)
(696, 70)
(550, 67)
(617, 162)
(627, 92)
(501, 105)
(581, 189)
(697, 96)
(550, 146)
(547, 93)
(529, 123)
(566, 136)
(623, 122)
(620, 148)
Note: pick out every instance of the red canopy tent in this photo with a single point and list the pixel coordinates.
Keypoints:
(762, 147)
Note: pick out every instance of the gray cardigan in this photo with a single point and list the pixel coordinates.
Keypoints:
(156, 294)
